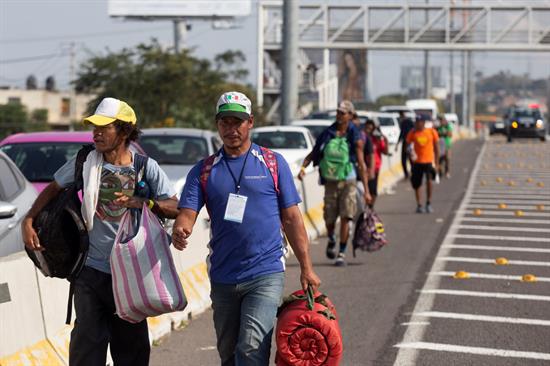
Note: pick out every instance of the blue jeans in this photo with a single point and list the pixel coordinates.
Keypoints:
(244, 317)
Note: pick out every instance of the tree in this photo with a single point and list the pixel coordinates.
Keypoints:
(165, 89)
(13, 119)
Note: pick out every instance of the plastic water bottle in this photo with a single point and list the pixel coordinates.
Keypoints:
(142, 189)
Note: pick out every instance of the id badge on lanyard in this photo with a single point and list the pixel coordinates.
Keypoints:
(236, 203)
(234, 211)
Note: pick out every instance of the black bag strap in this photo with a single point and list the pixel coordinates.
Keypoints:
(140, 166)
(70, 303)
(79, 165)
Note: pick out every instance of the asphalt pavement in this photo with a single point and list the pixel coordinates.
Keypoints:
(376, 292)
(486, 298)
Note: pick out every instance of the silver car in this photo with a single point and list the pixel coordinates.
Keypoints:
(16, 198)
(178, 149)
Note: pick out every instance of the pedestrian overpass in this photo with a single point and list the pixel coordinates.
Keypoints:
(440, 26)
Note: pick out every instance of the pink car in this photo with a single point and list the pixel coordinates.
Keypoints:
(39, 154)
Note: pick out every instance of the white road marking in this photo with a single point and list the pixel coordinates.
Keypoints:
(492, 261)
(495, 295)
(508, 206)
(499, 248)
(504, 228)
(513, 191)
(415, 323)
(499, 237)
(510, 213)
(488, 276)
(482, 318)
(507, 201)
(472, 350)
(510, 221)
(504, 196)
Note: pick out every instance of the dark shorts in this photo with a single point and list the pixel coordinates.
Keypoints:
(373, 186)
(418, 171)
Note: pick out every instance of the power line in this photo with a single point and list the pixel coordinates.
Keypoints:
(83, 35)
(31, 58)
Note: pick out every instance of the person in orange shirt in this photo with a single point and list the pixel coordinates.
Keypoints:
(424, 154)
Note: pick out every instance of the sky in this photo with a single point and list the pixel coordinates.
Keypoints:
(35, 38)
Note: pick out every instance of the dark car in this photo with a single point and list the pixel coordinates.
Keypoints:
(525, 122)
(497, 126)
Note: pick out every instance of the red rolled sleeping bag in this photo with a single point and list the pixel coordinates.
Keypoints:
(307, 332)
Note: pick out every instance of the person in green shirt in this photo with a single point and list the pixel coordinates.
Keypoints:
(445, 132)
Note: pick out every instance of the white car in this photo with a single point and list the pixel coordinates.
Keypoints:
(389, 125)
(409, 112)
(292, 142)
(177, 150)
(315, 126)
(16, 198)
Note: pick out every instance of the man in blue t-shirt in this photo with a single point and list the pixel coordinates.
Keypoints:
(247, 206)
(106, 197)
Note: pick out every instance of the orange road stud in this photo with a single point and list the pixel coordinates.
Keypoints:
(461, 275)
(500, 165)
(519, 213)
(500, 180)
(528, 278)
(540, 184)
(501, 261)
(483, 183)
(502, 206)
(508, 166)
(477, 212)
(512, 183)
(540, 207)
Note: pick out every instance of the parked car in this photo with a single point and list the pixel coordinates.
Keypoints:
(525, 122)
(389, 125)
(39, 154)
(292, 142)
(16, 197)
(497, 127)
(178, 149)
(409, 112)
(329, 114)
(315, 126)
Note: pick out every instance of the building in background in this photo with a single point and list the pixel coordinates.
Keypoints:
(57, 103)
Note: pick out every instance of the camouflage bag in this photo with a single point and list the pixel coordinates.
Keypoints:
(369, 232)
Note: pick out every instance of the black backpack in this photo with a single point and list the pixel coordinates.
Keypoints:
(61, 229)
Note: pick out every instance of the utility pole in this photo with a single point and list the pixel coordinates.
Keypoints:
(427, 71)
(452, 66)
(289, 93)
(471, 91)
(465, 94)
(72, 97)
(180, 35)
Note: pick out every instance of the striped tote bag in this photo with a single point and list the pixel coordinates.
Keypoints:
(145, 280)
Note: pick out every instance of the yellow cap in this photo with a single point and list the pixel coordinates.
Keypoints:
(110, 110)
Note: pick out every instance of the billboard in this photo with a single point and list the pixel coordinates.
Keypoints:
(179, 8)
(352, 75)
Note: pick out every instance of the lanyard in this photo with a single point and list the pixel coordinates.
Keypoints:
(237, 182)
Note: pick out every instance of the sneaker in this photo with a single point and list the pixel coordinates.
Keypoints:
(420, 209)
(331, 249)
(448, 175)
(341, 260)
(429, 209)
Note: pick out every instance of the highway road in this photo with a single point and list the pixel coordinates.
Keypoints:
(404, 306)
